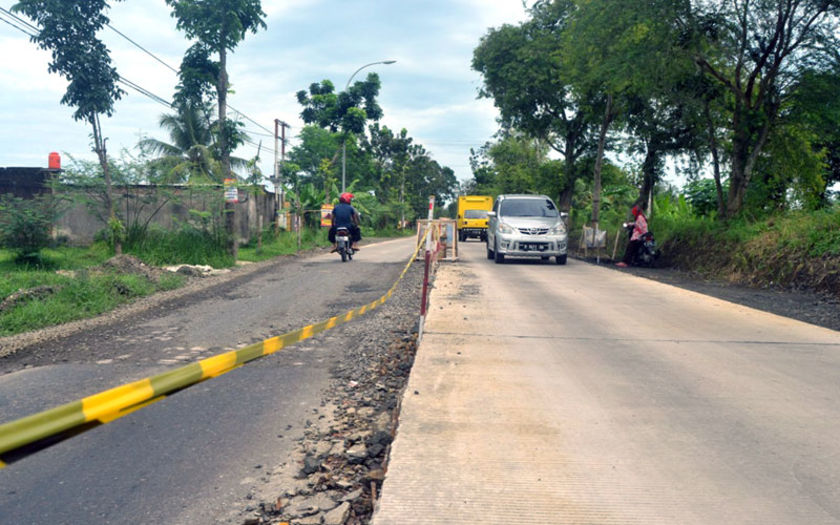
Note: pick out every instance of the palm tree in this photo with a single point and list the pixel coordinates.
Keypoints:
(192, 155)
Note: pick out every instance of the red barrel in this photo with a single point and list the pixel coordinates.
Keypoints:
(55, 161)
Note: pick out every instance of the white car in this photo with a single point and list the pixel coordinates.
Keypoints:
(526, 226)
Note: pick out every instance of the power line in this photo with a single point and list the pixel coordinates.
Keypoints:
(25, 27)
(19, 23)
(117, 31)
(171, 68)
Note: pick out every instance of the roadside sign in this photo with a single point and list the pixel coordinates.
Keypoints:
(326, 215)
(231, 191)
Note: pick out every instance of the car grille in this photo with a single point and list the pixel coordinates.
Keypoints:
(533, 231)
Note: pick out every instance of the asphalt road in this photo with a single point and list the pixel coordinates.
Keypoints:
(188, 458)
(581, 394)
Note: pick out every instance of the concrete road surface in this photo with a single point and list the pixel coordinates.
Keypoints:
(554, 394)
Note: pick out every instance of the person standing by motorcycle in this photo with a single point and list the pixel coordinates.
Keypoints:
(639, 229)
(344, 214)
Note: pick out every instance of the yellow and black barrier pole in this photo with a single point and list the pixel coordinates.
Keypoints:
(29, 434)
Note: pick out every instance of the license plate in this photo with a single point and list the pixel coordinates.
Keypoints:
(345, 239)
(533, 247)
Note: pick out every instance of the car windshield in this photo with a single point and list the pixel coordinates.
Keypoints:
(475, 214)
(528, 208)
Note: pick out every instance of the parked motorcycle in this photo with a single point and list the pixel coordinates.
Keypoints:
(344, 246)
(647, 253)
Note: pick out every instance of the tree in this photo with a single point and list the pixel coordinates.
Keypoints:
(815, 106)
(188, 156)
(68, 31)
(193, 153)
(525, 74)
(25, 224)
(756, 51)
(344, 113)
(219, 26)
(314, 146)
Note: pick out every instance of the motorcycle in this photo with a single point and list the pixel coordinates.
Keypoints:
(646, 254)
(344, 246)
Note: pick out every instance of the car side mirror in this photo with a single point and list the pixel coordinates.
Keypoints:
(564, 215)
(491, 214)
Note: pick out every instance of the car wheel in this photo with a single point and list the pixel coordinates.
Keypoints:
(561, 259)
(499, 257)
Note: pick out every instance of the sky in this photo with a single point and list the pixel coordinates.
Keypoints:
(431, 90)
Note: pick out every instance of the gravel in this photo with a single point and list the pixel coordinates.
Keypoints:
(336, 474)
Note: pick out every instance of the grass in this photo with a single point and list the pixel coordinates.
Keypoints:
(185, 246)
(797, 248)
(84, 295)
(284, 243)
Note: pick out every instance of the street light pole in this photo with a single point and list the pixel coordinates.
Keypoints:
(344, 141)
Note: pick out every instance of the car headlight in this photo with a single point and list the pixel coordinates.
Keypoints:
(557, 229)
(505, 228)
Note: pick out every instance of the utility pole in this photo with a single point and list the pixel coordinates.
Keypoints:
(276, 181)
(279, 129)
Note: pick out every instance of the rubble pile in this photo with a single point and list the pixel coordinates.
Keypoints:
(336, 474)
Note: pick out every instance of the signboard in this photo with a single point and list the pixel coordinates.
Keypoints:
(326, 215)
(231, 191)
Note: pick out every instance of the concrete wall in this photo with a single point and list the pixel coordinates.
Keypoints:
(164, 206)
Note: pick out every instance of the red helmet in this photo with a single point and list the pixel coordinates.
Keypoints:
(345, 198)
(635, 211)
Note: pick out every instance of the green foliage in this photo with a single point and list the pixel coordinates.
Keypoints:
(116, 232)
(186, 245)
(790, 176)
(82, 296)
(347, 111)
(25, 225)
(702, 195)
(525, 72)
(68, 31)
(218, 24)
(283, 243)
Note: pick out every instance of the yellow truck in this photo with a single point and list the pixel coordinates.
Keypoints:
(472, 216)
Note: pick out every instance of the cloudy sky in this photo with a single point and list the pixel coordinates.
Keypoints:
(430, 90)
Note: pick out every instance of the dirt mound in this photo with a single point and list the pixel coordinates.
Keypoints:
(129, 264)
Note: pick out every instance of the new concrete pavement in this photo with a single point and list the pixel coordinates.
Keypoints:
(578, 394)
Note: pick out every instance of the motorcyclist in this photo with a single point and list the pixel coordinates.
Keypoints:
(639, 229)
(345, 215)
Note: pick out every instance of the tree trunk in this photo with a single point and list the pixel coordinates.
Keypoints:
(102, 155)
(745, 151)
(564, 199)
(599, 159)
(649, 167)
(713, 147)
(230, 208)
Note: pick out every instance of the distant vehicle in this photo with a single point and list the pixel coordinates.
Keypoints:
(472, 216)
(526, 226)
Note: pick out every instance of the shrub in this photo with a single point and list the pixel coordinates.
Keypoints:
(25, 225)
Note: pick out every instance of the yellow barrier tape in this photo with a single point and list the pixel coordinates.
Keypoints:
(106, 404)
(116, 402)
